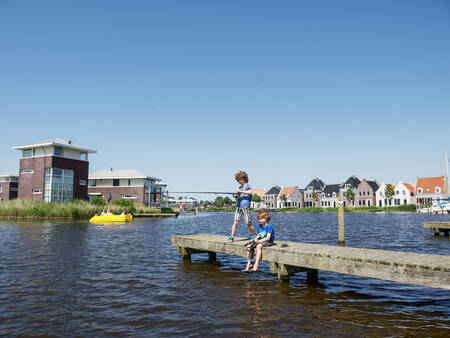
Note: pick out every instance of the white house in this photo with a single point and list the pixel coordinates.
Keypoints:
(404, 194)
(381, 199)
(260, 193)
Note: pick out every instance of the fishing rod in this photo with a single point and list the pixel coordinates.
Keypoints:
(202, 192)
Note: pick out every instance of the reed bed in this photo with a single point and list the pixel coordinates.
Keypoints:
(76, 209)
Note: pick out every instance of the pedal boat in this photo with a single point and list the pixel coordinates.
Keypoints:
(111, 218)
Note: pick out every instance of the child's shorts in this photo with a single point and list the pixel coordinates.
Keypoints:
(243, 211)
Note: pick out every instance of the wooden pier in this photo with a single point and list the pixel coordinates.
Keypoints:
(288, 258)
(438, 227)
(157, 215)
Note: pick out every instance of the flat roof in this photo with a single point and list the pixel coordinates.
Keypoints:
(117, 174)
(11, 174)
(55, 142)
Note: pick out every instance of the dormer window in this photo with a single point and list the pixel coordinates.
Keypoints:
(58, 151)
(438, 190)
(419, 191)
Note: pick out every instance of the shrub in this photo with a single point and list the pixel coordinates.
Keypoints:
(98, 201)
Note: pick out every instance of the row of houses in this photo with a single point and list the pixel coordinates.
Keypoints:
(353, 193)
(57, 171)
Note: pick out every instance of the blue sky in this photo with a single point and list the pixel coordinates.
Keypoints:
(193, 91)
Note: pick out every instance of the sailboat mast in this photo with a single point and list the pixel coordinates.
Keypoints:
(446, 177)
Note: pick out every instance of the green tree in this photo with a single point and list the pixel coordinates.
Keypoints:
(201, 202)
(256, 198)
(227, 200)
(350, 194)
(315, 196)
(283, 198)
(98, 200)
(389, 193)
(180, 198)
(219, 202)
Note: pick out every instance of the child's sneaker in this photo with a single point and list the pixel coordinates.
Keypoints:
(230, 239)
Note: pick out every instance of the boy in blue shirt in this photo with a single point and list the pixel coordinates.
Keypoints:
(265, 237)
(243, 205)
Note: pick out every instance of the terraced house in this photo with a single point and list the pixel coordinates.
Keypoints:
(365, 193)
(330, 196)
(271, 197)
(53, 170)
(294, 198)
(352, 182)
(312, 193)
(9, 186)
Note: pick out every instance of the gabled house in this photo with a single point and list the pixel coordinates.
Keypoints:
(260, 193)
(330, 196)
(271, 197)
(294, 198)
(352, 182)
(315, 187)
(428, 188)
(9, 186)
(381, 200)
(365, 193)
(131, 184)
(54, 170)
(404, 194)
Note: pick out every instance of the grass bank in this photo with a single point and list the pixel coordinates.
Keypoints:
(76, 209)
(401, 208)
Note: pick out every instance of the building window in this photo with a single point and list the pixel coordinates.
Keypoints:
(28, 153)
(1, 190)
(58, 151)
(419, 191)
(116, 182)
(58, 185)
(27, 171)
(37, 191)
(82, 182)
(129, 196)
(83, 156)
(92, 183)
(438, 190)
(368, 193)
(129, 182)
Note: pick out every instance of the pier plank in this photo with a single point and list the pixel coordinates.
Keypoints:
(403, 267)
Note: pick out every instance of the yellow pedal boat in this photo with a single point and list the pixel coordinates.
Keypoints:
(111, 218)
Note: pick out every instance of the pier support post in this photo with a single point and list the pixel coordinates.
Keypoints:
(284, 271)
(212, 256)
(341, 234)
(184, 252)
(312, 275)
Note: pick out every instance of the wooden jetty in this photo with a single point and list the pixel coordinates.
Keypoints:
(288, 258)
(438, 227)
(156, 215)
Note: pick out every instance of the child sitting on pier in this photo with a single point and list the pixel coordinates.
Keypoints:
(243, 205)
(265, 237)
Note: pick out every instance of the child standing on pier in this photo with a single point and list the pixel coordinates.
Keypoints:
(265, 237)
(243, 205)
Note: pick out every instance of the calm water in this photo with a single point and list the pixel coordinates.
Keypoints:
(80, 279)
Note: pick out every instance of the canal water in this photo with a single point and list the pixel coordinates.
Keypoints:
(81, 279)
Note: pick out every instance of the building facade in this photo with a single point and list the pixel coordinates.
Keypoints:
(294, 198)
(260, 193)
(365, 193)
(330, 196)
(381, 199)
(312, 193)
(404, 194)
(130, 184)
(429, 188)
(351, 183)
(9, 186)
(54, 170)
(271, 197)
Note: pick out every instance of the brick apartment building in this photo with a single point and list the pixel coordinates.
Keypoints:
(9, 186)
(54, 170)
(128, 184)
(365, 194)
